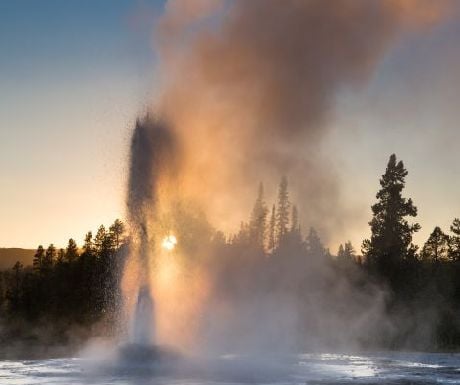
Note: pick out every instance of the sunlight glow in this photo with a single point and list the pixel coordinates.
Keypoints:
(169, 242)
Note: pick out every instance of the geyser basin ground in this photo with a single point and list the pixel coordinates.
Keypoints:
(385, 368)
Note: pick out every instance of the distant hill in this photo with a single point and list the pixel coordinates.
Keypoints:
(9, 256)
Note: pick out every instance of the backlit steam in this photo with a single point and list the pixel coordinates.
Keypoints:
(247, 88)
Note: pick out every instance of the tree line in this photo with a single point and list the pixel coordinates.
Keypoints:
(269, 257)
(71, 286)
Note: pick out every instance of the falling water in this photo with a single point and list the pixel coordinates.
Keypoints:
(143, 323)
(152, 155)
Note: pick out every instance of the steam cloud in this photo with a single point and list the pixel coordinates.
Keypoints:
(249, 87)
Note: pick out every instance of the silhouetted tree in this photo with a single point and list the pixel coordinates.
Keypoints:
(294, 219)
(60, 257)
(391, 238)
(49, 259)
(38, 258)
(88, 246)
(341, 252)
(436, 248)
(272, 231)
(257, 223)
(17, 269)
(347, 252)
(71, 252)
(116, 230)
(282, 211)
(314, 245)
(454, 241)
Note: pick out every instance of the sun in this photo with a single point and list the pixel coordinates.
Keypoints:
(169, 242)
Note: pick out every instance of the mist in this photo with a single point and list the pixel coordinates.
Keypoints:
(250, 89)
(247, 92)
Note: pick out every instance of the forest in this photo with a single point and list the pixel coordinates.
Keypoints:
(417, 289)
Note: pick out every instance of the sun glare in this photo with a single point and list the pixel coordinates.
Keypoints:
(169, 242)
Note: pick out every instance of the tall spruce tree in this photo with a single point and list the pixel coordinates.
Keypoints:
(454, 252)
(391, 233)
(88, 245)
(272, 230)
(71, 252)
(38, 258)
(294, 219)
(282, 210)
(116, 231)
(314, 245)
(436, 248)
(347, 252)
(258, 221)
(49, 259)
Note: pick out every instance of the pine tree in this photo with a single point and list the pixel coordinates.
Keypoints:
(103, 242)
(391, 234)
(17, 268)
(88, 246)
(60, 257)
(71, 253)
(38, 258)
(99, 239)
(436, 248)
(294, 219)
(16, 292)
(48, 260)
(282, 211)
(454, 252)
(349, 251)
(116, 231)
(315, 247)
(341, 253)
(271, 231)
(257, 223)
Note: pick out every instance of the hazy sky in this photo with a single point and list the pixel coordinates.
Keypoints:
(75, 74)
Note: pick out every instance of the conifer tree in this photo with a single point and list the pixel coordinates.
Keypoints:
(257, 223)
(341, 253)
(60, 257)
(315, 247)
(272, 231)
(17, 268)
(294, 219)
(436, 248)
(454, 252)
(282, 210)
(38, 258)
(391, 234)
(349, 251)
(49, 259)
(88, 246)
(99, 239)
(71, 252)
(116, 231)
(16, 292)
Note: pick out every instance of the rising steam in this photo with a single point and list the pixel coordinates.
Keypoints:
(247, 90)
(250, 86)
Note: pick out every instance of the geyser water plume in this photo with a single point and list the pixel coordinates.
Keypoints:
(143, 323)
(153, 157)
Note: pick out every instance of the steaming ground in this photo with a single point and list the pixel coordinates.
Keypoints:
(385, 368)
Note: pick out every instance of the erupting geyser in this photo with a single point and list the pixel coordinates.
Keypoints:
(143, 325)
(152, 161)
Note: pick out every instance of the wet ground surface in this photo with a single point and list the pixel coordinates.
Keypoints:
(324, 369)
